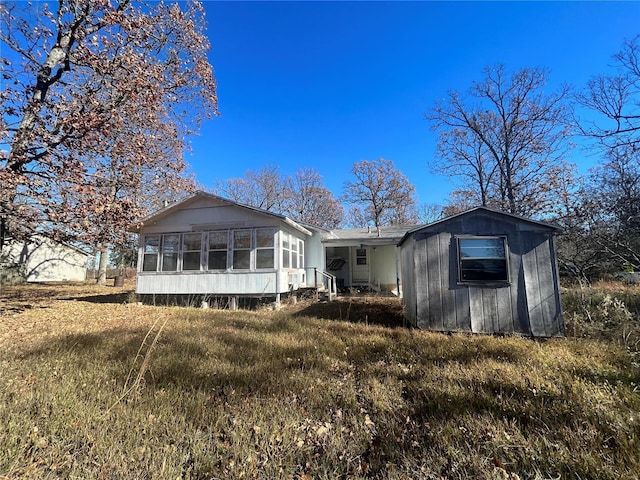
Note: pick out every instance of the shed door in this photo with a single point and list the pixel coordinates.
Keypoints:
(360, 266)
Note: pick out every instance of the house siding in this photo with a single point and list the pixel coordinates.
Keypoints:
(223, 283)
(42, 260)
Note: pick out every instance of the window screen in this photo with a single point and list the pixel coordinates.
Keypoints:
(218, 250)
(151, 249)
(170, 250)
(241, 249)
(191, 246)
(264, 247)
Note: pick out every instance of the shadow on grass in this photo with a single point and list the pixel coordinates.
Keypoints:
(283, 354)
(118, 298)
(385, 313)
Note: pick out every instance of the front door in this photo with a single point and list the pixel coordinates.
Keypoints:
(360, 266)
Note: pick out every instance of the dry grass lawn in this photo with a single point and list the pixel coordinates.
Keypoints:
(94, 387)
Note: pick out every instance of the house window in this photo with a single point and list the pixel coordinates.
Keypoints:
(150, 253)
(482, 259)
(218, 242)
(301, 254)
(292, 251)
(286, 251)
(191, 247)
(264, 248)
(241, 249)
(170, 251)
(361, 256)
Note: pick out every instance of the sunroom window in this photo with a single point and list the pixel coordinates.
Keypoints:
(241, 249)
(218, 250)
(482, 260)
(150, 253)
(170, 250)
(286, 251)
(264, 247)
(292, 251)
(301, 253)
(191, 247)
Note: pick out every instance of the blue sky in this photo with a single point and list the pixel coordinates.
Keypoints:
(327, 84)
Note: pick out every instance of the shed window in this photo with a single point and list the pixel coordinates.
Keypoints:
(482, 259)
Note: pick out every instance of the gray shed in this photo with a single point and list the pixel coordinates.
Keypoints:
(482, 271)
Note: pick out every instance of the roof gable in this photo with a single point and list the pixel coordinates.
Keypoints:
(202, 199)
(479, 211)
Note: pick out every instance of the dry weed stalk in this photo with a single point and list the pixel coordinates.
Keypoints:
(135, 385)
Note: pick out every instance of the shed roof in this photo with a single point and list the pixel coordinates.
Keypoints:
(473, 211)
(174, 207)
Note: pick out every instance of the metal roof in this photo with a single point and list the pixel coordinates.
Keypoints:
(389, 234)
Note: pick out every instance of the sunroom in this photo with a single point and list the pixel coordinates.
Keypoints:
(206, 245)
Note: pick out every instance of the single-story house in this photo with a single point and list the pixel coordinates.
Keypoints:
(208, 245)
(365, 257)
(42, 260)
(482, 271)
(212, 246)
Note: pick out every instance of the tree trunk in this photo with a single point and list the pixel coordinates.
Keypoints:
(102, 267)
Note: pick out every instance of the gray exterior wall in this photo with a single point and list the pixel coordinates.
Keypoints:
(528, 304)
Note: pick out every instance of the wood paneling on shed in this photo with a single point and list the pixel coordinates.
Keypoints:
(528, 304)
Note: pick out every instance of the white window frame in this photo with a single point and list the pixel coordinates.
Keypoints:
(151, 252)
(183, 251)
(272, 233)
(163, 252)
(159, 249)
(235, 249)
(294, 250)
(226, 248)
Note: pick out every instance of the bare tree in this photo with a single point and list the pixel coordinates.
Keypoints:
(302, 197)
(429, 212)
(99, 96)
(356, 217)
(616, 98)
(506, 138)
(310, 202)
(266, 188)
(385, 195)
(462, 153)
(613, 206)
(609, 209)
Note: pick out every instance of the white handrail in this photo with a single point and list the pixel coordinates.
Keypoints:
(327, 280)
